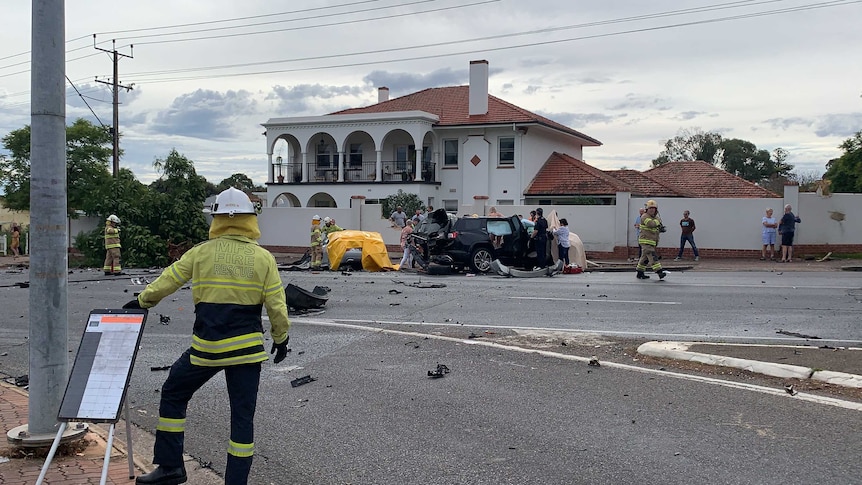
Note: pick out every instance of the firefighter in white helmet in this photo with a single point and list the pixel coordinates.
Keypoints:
(232, 279)
(316, 243)
(650, 228)
(329, 226)
(112, 246)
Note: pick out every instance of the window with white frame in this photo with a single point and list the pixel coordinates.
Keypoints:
(506, 151)
(451, 205)
(450, 152)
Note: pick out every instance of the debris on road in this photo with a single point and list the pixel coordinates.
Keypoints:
(301, 380)
(441, 371)
(594, 362)
(796, 334)
(395, 292)
(160, 367)
(164, 319)
(302, 299)
(791, 389)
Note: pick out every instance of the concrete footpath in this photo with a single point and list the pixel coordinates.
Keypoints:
(81, 463)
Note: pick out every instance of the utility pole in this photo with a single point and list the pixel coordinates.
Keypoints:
(49, 325)
(115, 89)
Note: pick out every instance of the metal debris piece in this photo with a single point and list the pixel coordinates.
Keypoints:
(22, 381)
(594, 362)
(164, 319)
(160, 367)
(441, 371)
(791, 389)
(23, 284)
(473, 335)
(301, 380)
(395, 292)
(797, 334)
(140, 281)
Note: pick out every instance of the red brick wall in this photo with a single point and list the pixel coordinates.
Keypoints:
(622, 252)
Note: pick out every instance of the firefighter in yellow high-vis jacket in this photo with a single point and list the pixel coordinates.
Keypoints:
(232, 279)
(112, 246)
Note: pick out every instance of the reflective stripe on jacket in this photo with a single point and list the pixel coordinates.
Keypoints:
(232, 279)
(316, 235)
(649, 230)
(112, 236)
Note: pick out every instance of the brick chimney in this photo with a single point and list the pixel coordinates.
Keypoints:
(478, 88)
(382, 94)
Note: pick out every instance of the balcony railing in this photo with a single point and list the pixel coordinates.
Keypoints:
(365, 172)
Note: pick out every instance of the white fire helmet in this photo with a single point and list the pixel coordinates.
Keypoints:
(232, 201)
(113, 218)
(327, 220)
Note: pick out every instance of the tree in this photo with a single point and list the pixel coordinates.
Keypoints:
(693, 144)
(845, 172)
(88, 153)
(179, 205)
(408, 202)
(238, 181)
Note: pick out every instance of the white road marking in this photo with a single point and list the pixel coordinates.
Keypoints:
(620, 333)
(613, 365)
(602, 300)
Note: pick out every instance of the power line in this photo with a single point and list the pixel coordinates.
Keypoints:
(464, 41)
(822, 5)
(85, 102)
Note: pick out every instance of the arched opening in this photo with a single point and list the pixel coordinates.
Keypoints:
(286, 200)
(321, 199)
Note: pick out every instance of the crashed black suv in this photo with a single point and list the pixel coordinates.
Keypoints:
(473, 242)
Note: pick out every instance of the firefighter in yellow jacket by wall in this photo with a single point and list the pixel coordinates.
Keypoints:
(232, 279)
(650, 228)
(316, 243)
(112, 246)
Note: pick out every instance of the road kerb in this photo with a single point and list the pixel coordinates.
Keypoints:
(679, 351)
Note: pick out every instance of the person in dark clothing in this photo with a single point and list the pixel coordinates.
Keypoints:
(687, 228)
(540, 237)
(787, 228)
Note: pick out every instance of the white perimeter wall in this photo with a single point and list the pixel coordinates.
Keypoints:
(721, 223)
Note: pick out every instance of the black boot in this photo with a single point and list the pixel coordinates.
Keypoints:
(163, 475)
(661, 274)
(642, 276)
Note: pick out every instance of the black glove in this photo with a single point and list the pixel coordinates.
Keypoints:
(132, 305)
(280, 350)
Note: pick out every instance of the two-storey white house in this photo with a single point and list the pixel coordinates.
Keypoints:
(448, 145)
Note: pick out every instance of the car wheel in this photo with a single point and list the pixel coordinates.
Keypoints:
(480, 260)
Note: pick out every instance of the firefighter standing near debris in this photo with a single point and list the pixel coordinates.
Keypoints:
(650, 227)
(112, 246)
(316, 242)
(329, 226)
(232, 278)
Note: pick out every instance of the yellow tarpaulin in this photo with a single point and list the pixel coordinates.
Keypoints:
(374, 254)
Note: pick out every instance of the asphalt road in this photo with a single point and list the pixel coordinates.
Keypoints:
(501, 415)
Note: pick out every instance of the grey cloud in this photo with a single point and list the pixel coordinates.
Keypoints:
(636, 101)
(205, 114)
(594, 80)
(576, 120)
(786, 123)
(531, 89)
(531, 62)
(839, 124)
(401, 83)
(688, 115)
(97, 95)
(302, 97)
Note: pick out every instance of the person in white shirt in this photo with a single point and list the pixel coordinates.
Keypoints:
(768, 234)
(562, 235)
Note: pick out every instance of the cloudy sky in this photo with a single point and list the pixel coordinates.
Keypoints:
(631, 73)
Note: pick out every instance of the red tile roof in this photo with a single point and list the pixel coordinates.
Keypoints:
(702, 179)
(646, 185)
(565, 175)
(451, 105)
